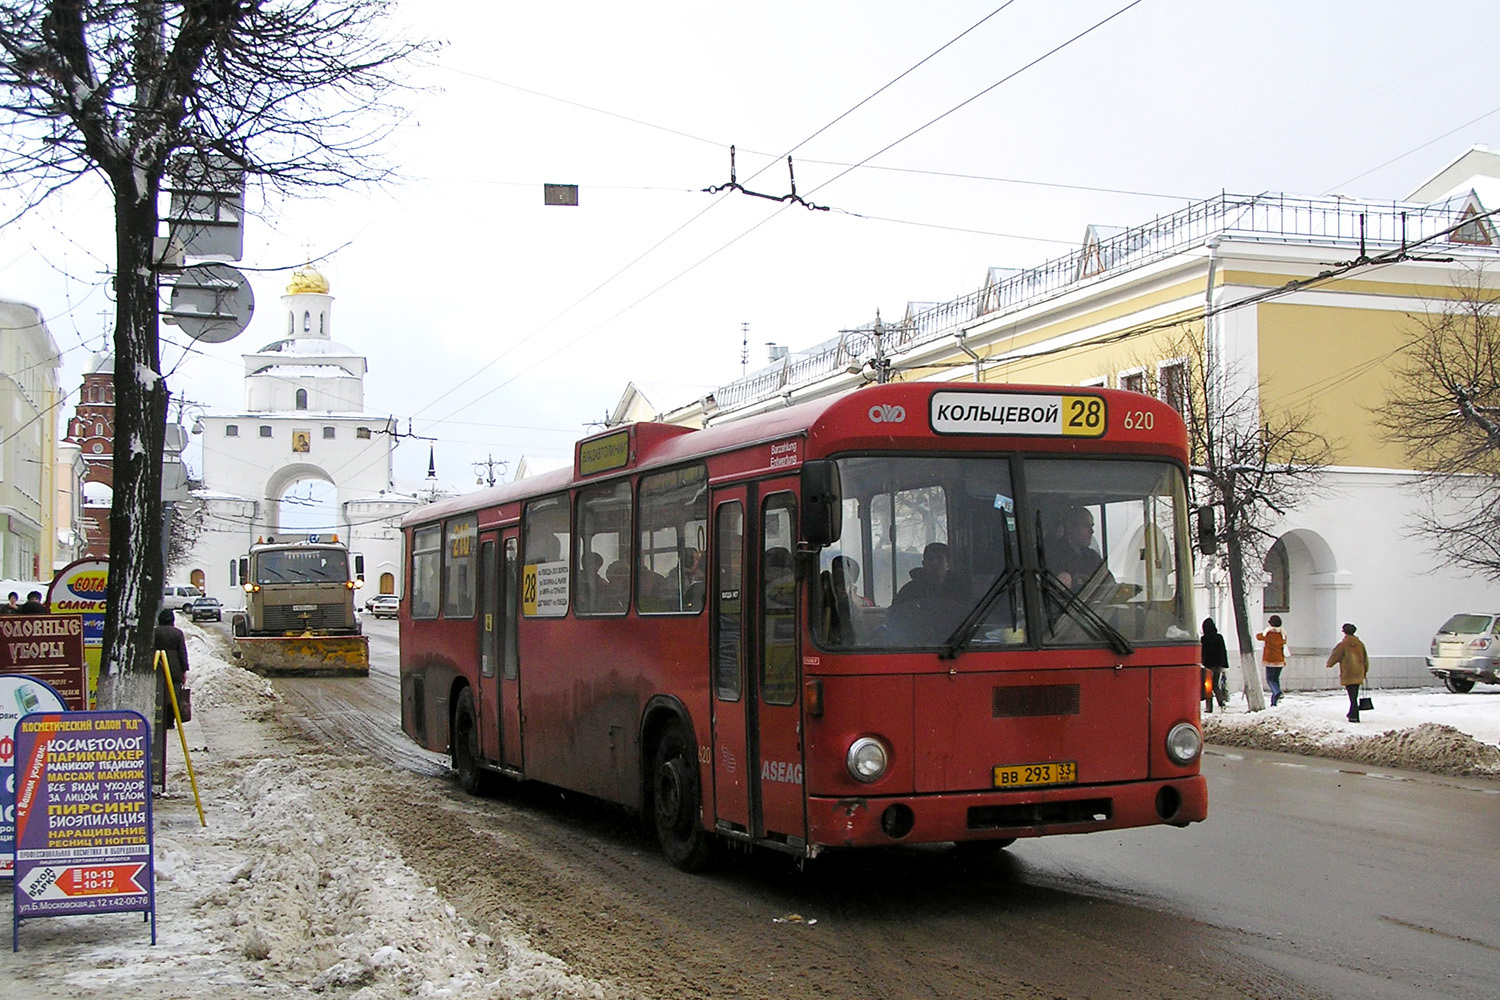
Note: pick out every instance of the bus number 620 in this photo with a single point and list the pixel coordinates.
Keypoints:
(1139, 420)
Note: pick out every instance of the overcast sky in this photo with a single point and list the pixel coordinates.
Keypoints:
(502, 326)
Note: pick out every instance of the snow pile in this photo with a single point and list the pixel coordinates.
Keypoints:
(1437, 732)
(292, 887)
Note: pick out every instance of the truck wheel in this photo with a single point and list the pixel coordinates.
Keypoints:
(676, 802)
(466, 754)
(1458, 685)
(238, 627)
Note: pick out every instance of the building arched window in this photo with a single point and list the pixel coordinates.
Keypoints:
(306, 321)
(321, 327)
(301, 399)
(1278, 594)
(291, 324)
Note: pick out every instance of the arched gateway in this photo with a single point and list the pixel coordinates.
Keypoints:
(303, 420)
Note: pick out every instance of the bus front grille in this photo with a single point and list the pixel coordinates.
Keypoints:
(1041, 814)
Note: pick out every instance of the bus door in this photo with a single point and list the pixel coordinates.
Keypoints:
(509, 706)
(777, 734)
(730, 738)
(491, 631)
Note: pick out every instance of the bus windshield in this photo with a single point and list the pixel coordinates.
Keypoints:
(302, 566)
(976, 552)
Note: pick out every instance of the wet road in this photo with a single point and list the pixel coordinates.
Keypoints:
(1342, 880)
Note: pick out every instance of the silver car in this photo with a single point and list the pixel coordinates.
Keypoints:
(1466, 650)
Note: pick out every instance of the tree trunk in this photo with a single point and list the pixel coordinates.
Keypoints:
(135, 519)
(1249, 671)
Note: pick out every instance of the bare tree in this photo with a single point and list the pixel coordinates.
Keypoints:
(1251, 464)
(1443, 410)
(294, 93)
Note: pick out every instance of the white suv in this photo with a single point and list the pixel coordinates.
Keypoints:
(180, 598)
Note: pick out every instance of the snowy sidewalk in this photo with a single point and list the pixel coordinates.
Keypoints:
(1425, 729)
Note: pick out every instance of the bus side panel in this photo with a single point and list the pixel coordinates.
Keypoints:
(426, 681)
(585, 684)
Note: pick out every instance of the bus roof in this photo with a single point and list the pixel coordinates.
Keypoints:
(873, 416)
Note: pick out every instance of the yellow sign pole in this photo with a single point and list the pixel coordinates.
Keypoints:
(161, 664)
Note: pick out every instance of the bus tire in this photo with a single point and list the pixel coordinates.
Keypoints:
(676, 802)
(465, 742)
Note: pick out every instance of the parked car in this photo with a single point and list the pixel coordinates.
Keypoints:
(180, 597)
(384, 605)
(1466, 650)
(206, 609)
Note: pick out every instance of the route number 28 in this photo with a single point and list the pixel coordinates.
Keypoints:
(1085, 413)
(1139, 420)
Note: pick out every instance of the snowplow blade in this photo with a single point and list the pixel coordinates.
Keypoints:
(305, 656)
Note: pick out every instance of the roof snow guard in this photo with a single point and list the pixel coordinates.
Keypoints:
(1356, 226)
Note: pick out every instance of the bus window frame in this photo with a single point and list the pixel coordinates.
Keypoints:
(419, 587)
(681, 543)
(456, 531)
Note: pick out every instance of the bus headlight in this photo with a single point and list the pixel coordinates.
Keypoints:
(1184, 743)
(867, 759)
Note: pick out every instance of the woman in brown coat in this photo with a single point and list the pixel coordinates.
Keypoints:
(1354, 667)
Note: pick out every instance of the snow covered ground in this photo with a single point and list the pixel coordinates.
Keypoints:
(1422, 729)
(293, 886)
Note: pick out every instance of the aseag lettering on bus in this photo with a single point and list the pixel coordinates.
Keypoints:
(911, 614)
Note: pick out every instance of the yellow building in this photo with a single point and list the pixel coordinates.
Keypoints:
(1303, 302)
(29, 363)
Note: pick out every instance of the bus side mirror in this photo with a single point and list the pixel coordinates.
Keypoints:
(822, 502)
(1208, 536)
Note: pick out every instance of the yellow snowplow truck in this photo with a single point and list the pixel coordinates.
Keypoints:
(299, 617)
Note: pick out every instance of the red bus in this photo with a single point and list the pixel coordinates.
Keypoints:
(914, 613)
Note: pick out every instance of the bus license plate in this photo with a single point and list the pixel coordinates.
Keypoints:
(1059, 772)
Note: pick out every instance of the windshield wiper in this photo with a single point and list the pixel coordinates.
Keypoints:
(960, 637)
(1079, 611)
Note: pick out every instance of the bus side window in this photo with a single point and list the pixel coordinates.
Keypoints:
(729, 542)
(603, 550)
(778, 602)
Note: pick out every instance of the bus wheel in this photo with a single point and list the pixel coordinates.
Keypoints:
(471, 777)
(676, 802)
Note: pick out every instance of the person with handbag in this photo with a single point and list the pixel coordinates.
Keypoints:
(169, 639)
(1354, 667)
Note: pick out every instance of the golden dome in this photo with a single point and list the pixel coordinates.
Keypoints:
(307, 279)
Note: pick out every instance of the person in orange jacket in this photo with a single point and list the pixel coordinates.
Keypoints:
(1273, 656)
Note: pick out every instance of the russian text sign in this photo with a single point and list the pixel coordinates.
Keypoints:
(49, 647)
(19, 695)
(83, 816)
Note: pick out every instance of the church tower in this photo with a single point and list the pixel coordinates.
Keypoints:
(303, 419)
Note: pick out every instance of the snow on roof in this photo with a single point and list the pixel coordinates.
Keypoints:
(303, 371)
(307, 346)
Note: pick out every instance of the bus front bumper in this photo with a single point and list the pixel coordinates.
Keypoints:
(964, 816)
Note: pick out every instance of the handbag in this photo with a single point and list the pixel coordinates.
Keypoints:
(1366, 704)
(185, 704)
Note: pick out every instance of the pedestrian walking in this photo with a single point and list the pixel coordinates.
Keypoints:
(1273, 656)
(1215, 660)
(1354, 667)
(169, 638)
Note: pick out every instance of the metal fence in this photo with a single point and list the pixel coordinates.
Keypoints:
(1357, 227)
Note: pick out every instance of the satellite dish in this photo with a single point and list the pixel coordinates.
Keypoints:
(212, 303)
